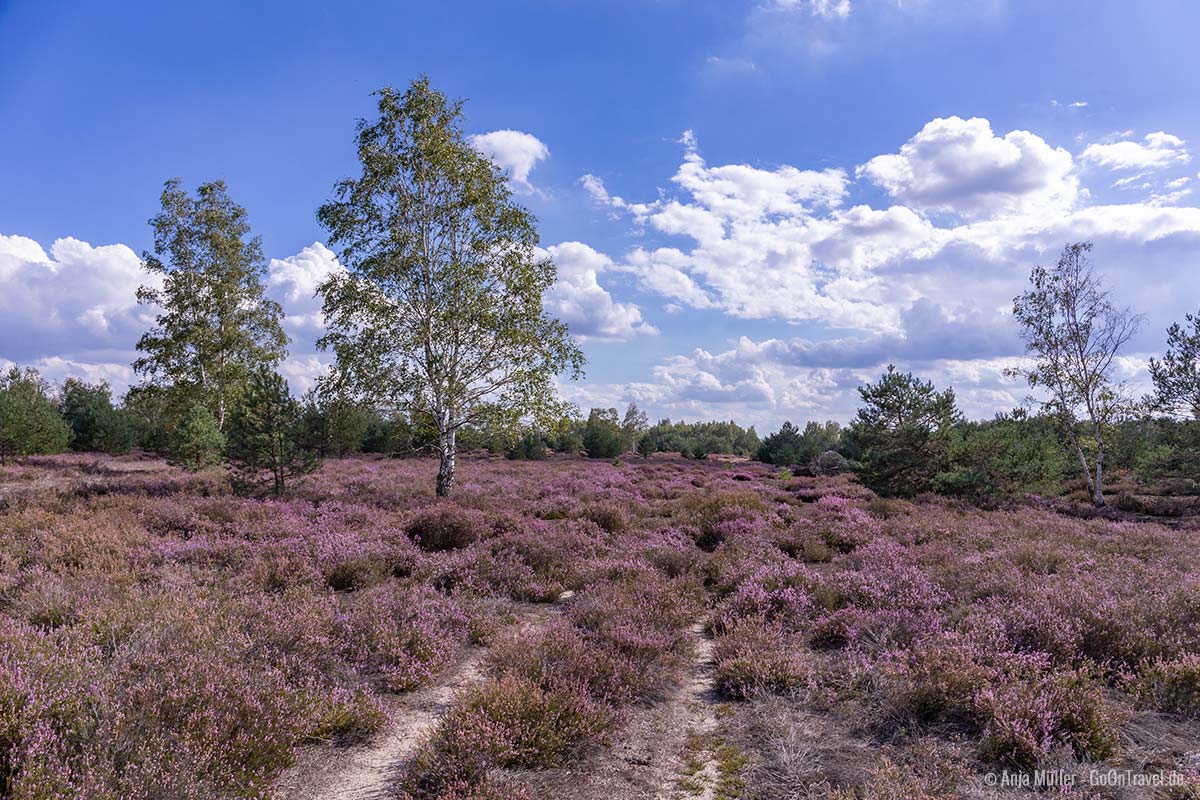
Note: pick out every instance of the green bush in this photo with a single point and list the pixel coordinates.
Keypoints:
(29, 421)
(96, 425)
(602, 434)
(197, 441)
(266, 443)
(530, 447)
(1171, 685)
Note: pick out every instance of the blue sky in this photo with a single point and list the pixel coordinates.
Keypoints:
(754, 205)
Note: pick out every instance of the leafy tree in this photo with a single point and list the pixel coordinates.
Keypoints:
(602, 435)
(439, 314)
(902, 432)
(215, 326)
(531, 446)
(789, 446)
(96, 425)
(1074, 332)
(697, 440)
(266, 440)
(565, 431)
(646, 445)
(633, 426)
(197, 441)
(29, 420)
(1177, 375)
(149, 410)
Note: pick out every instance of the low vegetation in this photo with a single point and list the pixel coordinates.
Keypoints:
(1013, 638)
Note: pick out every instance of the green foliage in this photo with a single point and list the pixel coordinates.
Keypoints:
(153, 415)
(29, 420)
(646, 446)
(1177, 375)
(96, 425)
(788, 446)
(1003, 458)
(216, 326)
(440, 311)
(531, 446)
(197, 442)
(903, 433)
(699, 439)
(1074, 332)
(266, 443)
(602, 435)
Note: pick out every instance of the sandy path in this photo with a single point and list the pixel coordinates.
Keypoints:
(647, 756)
(369, 771)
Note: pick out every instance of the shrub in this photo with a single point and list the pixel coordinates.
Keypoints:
(608, 515)
(446, 527)
(561, 657)
(1171, 685)
(831, 462)
(1030, 717)
(509, 721)
(529, 447)
(403, 636)
(936, 680)
(29, 421)
(756, 656)
(197, 441)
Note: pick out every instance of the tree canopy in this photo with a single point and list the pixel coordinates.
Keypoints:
(1074, 331)
(214, 325)
(901, 433)
(439, 313)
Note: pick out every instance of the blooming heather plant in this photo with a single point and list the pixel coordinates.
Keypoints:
(141, 606)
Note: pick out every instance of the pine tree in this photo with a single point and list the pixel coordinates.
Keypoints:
(29, 421)
(197, 441)
(267, 443)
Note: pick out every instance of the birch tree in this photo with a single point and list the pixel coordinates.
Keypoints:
(439, 312)
(215, 327)
(1074, 332)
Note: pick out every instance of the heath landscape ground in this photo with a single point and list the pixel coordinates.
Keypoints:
(572, 628)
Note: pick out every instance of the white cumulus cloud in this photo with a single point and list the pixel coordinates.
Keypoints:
(516, 151)
(579, 300)
(959, 165)
(1156, 151)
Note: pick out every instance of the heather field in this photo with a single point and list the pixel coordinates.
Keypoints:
(577, 629)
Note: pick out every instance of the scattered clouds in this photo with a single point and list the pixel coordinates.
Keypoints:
(830, 9)
(1075, 104)
(926, 283)
(293, 282)
(1156, 151)
(579, 300)
(515, 151)
(836, 287)
(959, 166)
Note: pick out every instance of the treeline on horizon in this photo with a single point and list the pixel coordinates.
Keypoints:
(441, 343)
(983, 461)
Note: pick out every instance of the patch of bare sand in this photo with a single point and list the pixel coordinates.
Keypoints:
(369, 771)
(647, 757)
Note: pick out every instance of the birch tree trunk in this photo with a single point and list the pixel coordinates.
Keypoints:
(445, 476)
